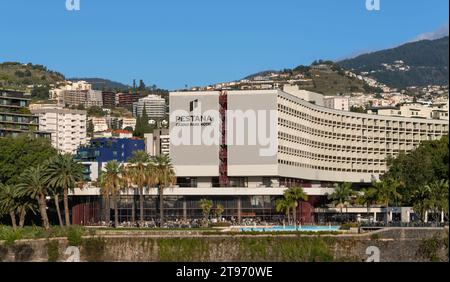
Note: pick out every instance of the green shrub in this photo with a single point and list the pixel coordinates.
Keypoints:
(10, 235)
(74, 235)
(221, 224)
(348, 225)
(375, 236)
(53, 250)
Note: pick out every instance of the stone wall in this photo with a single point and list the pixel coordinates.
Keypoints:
(394, 244)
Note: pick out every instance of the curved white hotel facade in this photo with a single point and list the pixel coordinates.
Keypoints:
(313, 144)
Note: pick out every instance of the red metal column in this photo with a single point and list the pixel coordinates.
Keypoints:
(223, 151)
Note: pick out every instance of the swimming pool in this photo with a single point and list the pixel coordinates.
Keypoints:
(312, 228)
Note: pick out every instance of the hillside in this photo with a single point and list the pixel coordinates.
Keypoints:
(322, 77)
(17, 76)
(423, 62)
(103, 84)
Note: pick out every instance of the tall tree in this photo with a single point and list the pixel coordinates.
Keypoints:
(139, 162)
(34, 182)
(110, 185)
(367, 197)
(165, 177)
(127, 178)
(65, 172)
(341, 195)
(294, 195)
(206, 205)
(387, 191)
(22, 152)
(282, 205)
(8, 201)
(438, 198)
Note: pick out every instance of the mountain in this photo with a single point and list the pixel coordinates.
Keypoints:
(423, 63)
(103, 84)
(16, 75)
(261, 73)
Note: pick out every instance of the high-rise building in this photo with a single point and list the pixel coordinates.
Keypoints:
(155, 106)
(126, 100)
(109, 99)
(68, 127)
(15, 117)
(87, 98)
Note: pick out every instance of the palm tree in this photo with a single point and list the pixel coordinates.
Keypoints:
(110, 185)
(295, 194)
(219, 211)
(387, 193)
(139, 162)
(65, 172)
(56, 191)
(421, 201)
(341, 195)
(8, 201)
(206, 206)
(34, 182)
(24, 204)
(438, 201)
(127, 182)
(283, 206)
(165, 176)
(367, 197)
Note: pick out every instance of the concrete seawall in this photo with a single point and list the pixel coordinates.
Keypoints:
(392, 244)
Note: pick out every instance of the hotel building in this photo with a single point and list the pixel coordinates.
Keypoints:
(257, 143)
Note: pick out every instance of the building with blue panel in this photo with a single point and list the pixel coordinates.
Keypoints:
(102, 150)
(108, 149)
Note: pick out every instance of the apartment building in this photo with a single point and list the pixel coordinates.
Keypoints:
(67, 127)
(99, 123)
(109, 99)
(415, 110)
(155, 107)
(58, 93)
(15, 117)
(336, 102)
(126, 100)
(87, 98)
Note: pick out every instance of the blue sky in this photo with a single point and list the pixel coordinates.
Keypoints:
(171, 43)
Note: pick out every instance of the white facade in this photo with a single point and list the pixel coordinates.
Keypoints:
(313, 142)
(336, 102)
(418, 110)
(155, 106)
(67, 127)
(56, 93)
(128, 122)
(99, 123)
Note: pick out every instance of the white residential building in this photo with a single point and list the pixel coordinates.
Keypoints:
(336, 102)
(67, 127)
(127, 122)
(57, 93)
(99, 123)
(155, 106)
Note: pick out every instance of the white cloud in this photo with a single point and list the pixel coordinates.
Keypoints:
(438, 33)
